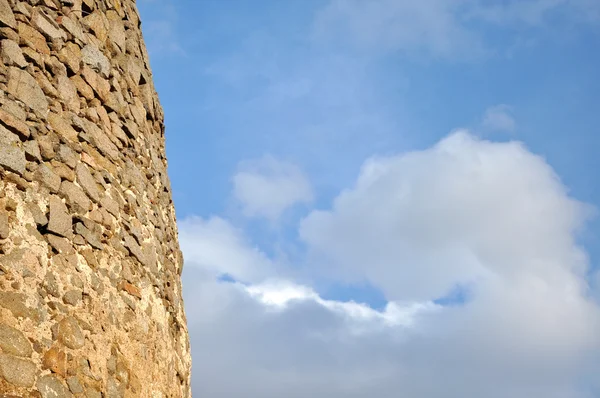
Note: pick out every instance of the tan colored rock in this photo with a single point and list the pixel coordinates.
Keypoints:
(69, 333)
(61, 125)
(86, 216)
(55, 360)
(82, 87)
(12, 123)
(67, 92)
(25, 88)
(87, 182)
(75, 196)
(4, 227)
(73, 28)
(16, 303)
(13, 342)
(98, 24)
(11, 54)
(95, 59)
(47, 177)
(51, 387)
(31, 37)
(96, 82)
(71, 56)
(60, 221)
(6, 15)
(47, 26)
(17, 371)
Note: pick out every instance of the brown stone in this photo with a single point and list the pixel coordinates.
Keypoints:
(6, 15)
(67, 92)
(11, 54)
(131, 289)
(13, 342)
(25, 88)
(82, 87)
(69, 333)
(60, 221)
(72, 297)
(45, 175)
(17, 371)
(96, 82)
(32, 38)
(87, 182)
(62, 126)
(17, 304)
(47, 26)
(32, 151)
(51, 387)
(12, 155)
(76, 198)
(4, 227)
(55, 360)
(98, 24)
(12, 123)
(70, 55)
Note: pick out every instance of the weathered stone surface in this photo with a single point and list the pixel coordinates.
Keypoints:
(87, 182)
(69, 333)
(75, 196)
(61, 222)
(55, 360)
(4, 227)
(12, 155)
(67, 91)
(46, 25)
(51, 387)
(72, 297)
(17, 371)
(98, 24)
(6, 15)
(75, 385)
(89, 260)
(13, 342)
(17, 304)
(45, 175)
(70, 55)
(25, 88)
(38, 215)
(32, 151)
(100, 85)
(35, 40)
(91, 237)
(96, 60)
(62, 126)
(14, 124)
(11, 53)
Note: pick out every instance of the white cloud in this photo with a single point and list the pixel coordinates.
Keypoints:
(499, 118)
(449, 29)
(429, 26)
(267, 187)
(492, 217)
(217, 247)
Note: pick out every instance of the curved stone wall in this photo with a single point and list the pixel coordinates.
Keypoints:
(90, 292)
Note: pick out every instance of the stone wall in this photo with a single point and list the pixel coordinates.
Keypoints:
(90, 292)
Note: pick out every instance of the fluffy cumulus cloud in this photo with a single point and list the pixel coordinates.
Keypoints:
(489, 220)
(267, 187)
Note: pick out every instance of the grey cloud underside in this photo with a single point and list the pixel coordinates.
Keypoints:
(491, 215)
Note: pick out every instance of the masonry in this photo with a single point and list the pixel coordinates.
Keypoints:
(90, 291)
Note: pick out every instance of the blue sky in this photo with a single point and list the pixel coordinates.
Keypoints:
(386, 176)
